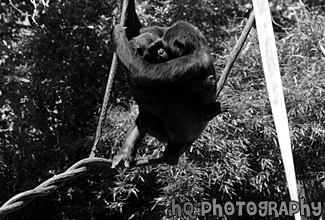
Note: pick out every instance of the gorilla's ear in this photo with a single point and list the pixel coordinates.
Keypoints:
(180, 45)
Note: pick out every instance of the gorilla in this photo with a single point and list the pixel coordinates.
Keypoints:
(173, 80)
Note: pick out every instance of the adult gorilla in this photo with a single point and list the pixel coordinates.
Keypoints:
(176, 98)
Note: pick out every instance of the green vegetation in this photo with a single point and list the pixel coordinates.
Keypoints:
(53, 73)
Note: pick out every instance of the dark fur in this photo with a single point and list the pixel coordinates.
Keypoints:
(169, 108)
(141, 44)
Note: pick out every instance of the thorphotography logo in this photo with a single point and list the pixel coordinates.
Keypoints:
(240, 208)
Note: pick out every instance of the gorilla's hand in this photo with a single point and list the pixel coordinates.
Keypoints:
(123, 155)
(118, 31)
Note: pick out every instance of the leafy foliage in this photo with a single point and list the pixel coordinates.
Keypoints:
(52, 79)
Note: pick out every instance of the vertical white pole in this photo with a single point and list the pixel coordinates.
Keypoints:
(274, 87)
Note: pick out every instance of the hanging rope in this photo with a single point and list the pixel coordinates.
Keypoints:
(114, 64)
(235, 52)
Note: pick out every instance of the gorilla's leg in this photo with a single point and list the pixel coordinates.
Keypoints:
(183, 128)
(133, 139)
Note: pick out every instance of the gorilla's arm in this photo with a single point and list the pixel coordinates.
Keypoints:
(186, 69)
(159, 31)
(132, 21)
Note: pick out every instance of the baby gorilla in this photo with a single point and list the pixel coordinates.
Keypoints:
(148, 36)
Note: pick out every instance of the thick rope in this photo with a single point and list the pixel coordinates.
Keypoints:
(78, 169)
